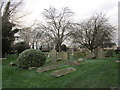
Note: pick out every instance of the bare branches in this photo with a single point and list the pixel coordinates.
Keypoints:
(58, 24)
(94, 32)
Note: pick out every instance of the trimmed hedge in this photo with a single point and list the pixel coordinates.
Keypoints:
(31, 58)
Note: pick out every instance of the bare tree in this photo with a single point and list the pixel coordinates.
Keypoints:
(32, 35)
(57, 25)
(93, 33)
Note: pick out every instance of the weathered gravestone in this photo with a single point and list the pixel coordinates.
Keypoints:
(47, 68)
(59, 73)
(64, 55)
(53, 55)
(59, 55)
(101, 54)
(88, 54)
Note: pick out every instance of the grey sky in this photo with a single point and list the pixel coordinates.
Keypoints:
(83, 9)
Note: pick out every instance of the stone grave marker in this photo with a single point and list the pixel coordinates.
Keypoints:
(53, 55)
(64, 55)
(101, 54)
(88, 54)
(62, 72)
(47, 68)
(80, 60)
(59, 55)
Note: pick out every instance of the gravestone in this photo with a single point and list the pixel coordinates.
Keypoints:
(80, 59)
(53, 55)
(88, 54)
(59, 73)
(64, 55)
(101, 54)
(47, 68)
(59, 55)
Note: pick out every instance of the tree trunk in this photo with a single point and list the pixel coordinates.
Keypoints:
(59, 45)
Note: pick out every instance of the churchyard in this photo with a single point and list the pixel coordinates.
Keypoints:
(58, 47)
(64, 70)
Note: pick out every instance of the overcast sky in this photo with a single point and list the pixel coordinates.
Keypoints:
(82, 8)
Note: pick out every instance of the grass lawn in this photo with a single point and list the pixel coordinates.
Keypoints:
(98, 73)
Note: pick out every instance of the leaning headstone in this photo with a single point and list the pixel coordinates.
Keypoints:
(47, 68)
(53, 56)
(62, 72)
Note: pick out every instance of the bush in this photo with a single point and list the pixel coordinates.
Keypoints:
(21, 47)
(78, 54)
(31, 58)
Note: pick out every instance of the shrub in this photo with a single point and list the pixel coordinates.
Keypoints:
(78, 54)
(21, 47)
(31, 58)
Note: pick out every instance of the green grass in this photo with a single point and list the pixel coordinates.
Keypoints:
(92, 73)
